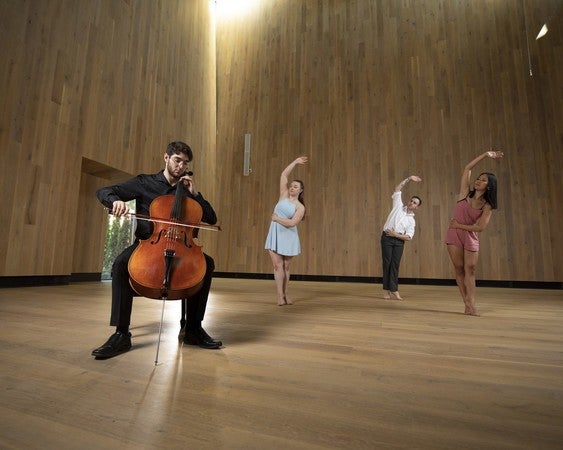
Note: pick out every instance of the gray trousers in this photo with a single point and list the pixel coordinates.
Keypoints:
(391, 253)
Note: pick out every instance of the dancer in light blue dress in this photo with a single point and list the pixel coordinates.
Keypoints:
(283, 240)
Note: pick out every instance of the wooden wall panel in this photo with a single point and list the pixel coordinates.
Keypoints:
(371, 90)
(112, 81)
(374, 91)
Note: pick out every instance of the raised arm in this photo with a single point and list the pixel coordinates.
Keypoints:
(465, 184)
(284, 178)
(401, 185)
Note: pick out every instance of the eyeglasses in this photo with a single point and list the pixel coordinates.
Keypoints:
(179, 161)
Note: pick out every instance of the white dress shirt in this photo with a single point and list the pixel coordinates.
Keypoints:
(399, 219)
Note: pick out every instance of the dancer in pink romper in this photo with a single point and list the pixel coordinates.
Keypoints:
(471, 215)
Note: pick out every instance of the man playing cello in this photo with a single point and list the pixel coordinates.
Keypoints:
(144, 189)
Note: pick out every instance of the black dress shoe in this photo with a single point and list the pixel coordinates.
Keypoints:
(206, 337)
(199, 331)
(116, 344)
(203, 340)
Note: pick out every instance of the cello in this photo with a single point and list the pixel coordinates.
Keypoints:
(169, 264)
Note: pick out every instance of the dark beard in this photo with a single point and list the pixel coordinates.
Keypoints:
(170, 171)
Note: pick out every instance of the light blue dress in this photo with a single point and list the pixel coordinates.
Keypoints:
(283, 240)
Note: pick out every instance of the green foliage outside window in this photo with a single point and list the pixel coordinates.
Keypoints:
(119, 235)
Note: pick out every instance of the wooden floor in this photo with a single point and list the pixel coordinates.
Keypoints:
(341, 368)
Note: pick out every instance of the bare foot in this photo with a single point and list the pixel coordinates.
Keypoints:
(386, 295)
(288, 301)
(281, 300)
(396, 295)
(470, 309)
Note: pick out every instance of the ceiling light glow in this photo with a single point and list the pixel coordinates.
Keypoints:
(229, 9)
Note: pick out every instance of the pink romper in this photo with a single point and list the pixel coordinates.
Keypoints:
(465, 215)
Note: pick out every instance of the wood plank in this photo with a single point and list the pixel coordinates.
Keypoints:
(341, 368)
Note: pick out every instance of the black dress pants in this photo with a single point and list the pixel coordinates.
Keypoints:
(391, 253)
(123, 293)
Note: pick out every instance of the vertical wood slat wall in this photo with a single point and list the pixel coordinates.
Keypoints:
(371, 90)
(93, 91)
(374, 91)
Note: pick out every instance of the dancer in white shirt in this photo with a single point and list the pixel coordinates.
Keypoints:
(398, 228)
